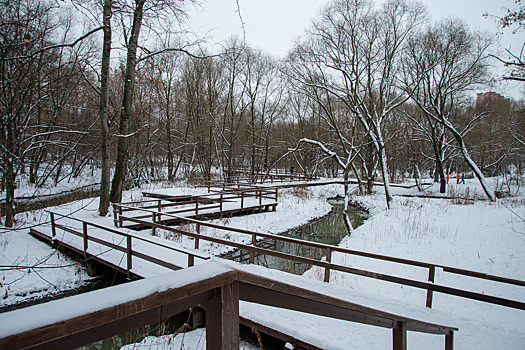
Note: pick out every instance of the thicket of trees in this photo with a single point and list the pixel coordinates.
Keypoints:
(378, 93)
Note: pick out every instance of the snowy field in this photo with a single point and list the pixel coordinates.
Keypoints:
(475, 235)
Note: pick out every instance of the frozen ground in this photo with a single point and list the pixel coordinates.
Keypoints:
(474, 235)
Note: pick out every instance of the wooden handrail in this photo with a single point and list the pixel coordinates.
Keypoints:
(429, 286)
(217, 287)
(358, 253)
(126, 236)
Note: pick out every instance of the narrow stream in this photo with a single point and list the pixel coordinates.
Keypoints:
(329, 229)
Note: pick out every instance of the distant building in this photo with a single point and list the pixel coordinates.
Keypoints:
(493, 102)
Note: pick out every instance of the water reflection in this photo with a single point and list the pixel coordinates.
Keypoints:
(329, 229)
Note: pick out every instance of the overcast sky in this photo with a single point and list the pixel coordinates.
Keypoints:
(272, 25)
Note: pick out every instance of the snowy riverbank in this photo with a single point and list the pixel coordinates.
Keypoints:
(475, 235)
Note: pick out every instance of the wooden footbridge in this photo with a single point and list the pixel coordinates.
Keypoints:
(218, 287)
(171, 210)
(139, 254)
(133, 248)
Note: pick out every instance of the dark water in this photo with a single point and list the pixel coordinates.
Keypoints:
(329, 229)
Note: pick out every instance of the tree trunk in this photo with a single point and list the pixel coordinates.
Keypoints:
(122, 147)
(384, 170)
(468, 159)
(473, 166)
(10, 184)
(104, 125)
(370, 168)
(348, 224)
(9, 209)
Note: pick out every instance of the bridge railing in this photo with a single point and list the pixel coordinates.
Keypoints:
(127, 248)
(259, 177)
(192, 205)
(430, 286)
(218, 288)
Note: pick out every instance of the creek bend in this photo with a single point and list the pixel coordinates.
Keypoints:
(328, 229)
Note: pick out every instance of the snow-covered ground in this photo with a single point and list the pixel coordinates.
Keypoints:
(475, 235)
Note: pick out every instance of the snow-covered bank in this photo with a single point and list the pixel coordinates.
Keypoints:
(475, 235)
(30, 269)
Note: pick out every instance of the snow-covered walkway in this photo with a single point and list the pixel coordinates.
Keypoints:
(474, 235)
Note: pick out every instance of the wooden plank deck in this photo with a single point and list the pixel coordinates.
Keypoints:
(217, 205)
(220, 288)
(134, 254)
(141, 255)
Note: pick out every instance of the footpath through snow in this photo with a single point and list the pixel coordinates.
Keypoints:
(479, 236)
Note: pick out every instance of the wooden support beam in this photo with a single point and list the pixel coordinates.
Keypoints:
(327, 269)
(449, 341)
(85, 238)
(431, 277)
(222, 318)
(295, 302)
(297, 343)
(399, 333)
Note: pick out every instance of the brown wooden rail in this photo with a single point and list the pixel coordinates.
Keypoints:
(215, 202)
(430, 286)
(127, 237)
(217, 287)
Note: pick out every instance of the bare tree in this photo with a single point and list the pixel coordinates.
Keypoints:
(514, 60)
(448, 60)
(39, 72)
(353, 53)
(235, 104)
(103, 109)
(264, 94)
(168, 11)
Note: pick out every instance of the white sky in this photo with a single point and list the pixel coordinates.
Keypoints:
(272, 25)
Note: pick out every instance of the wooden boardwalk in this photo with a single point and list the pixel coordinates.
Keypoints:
(131, 245)
(135, 254)
(140, 255)
(220, 289)
(220, 204)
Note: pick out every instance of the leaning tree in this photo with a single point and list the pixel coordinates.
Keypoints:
(447, 61)
(352, 53)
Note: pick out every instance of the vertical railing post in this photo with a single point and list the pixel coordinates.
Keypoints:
(328, 260)
(53, 227)
(196, 207)
(191, 260)
(129, 254)
(449, 341)
(115, 216)
(431, 276)
(154, 220)
(242, 200)
(159, 220)
(220, 204)
(222, 318)
(252, 252)
(85, 236)
(120, 216)
(198, 229)
(260, 199)
(399, 336)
